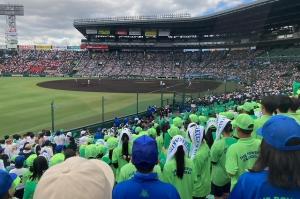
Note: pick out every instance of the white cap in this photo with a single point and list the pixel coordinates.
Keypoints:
(82, 133)
(76, 178)
(69, 134)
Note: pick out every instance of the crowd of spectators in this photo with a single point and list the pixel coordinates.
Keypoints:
(257, 75)
(234, 148)
(41, 62)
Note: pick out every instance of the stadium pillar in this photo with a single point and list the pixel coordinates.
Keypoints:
(184, 92)
(137, 104)
(174, 98)
(161, 98)
(52, 115)
(102, 109)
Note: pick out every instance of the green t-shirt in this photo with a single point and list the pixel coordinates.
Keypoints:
(26, 176)
(160, 143)
(296, 116)
(117, 157)
(202, 164)
(128, 171)
(218, 152)
(240, 157)
(162, 157)
(289, 114)
(106, 159)
(185, 185)
(258, 123)
(167, 140)
(29, 189)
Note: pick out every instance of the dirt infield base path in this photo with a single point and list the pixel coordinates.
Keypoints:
(131, 86)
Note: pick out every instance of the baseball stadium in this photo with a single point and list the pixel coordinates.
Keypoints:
(170, 77)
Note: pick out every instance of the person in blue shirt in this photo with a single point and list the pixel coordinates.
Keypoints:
(276, 173)
(117, 122)
(144, 184)
(99, 134)
(6, 182)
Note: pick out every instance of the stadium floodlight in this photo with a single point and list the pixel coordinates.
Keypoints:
(11, 11)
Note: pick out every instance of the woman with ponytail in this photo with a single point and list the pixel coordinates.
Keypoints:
(179, 169)
(122, 154)
(199, 154)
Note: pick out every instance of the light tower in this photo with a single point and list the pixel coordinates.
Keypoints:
(11, 11)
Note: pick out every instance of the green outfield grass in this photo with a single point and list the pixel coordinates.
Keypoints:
(26, 107)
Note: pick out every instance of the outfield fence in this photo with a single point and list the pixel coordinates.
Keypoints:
(136, 104)
(109, 109)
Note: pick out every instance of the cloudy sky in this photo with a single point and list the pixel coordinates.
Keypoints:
(51, 21)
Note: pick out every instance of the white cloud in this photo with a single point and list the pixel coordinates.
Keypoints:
(51, 21)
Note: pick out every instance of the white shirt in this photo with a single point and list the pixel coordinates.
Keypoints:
(19, 172)
(83, 140)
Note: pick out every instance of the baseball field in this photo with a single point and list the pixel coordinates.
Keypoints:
(26, 106)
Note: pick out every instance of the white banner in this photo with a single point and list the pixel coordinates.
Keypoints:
(196, 133)
(12, 46)
(164, 32)
(91, 31)
(59, 47)
(177, 141)
(221, 123)
(211, 122)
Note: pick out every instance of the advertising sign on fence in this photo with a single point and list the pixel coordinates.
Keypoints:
(43, 47)
(91, 31)
(74, 48)
(104, 31)
(26, 47)
(94, 46)
(151, 33)
(164, 32)
(135, 31)
(59, 47)
(122, 32)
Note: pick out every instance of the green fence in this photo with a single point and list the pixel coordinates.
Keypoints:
(99, 111)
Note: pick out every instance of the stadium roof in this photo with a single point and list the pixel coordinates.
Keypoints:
(254, 18)
(166, 18)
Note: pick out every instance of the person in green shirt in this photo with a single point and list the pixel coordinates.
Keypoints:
(194, 118)
(242, 155)
(56, 159)
(219, 178)
(179, 169)
(284, 105)
(29, 163)
(40, 165)
(293, 109)
(159, 140)
(111, 144)
(122, 154)
(268, 107)
(128, 171)
(200, 156)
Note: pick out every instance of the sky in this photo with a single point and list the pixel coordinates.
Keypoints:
(51, 21)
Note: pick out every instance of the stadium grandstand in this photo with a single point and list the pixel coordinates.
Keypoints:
(239, 144)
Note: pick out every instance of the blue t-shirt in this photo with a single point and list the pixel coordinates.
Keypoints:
(256, 185)
(145, 186)
(98, 136)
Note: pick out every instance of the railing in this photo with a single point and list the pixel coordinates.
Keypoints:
(133, 18)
